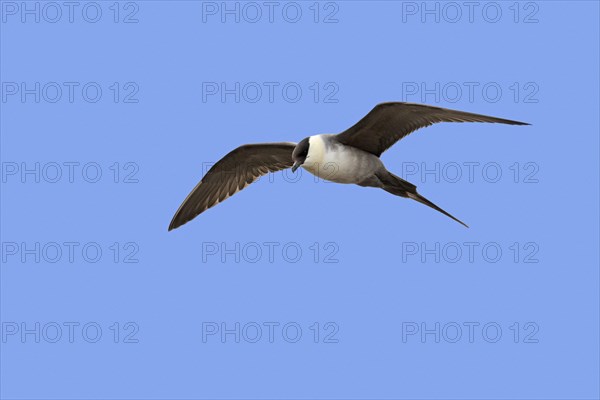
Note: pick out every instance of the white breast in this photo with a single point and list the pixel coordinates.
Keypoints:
(316, 151)
(335, 162)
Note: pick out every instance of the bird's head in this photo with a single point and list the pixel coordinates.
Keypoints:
(300, 153)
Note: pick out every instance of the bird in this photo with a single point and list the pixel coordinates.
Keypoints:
(350, 157)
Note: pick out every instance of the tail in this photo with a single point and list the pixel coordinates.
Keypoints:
(423, 200)
(399, 187)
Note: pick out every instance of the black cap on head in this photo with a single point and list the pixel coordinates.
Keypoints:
(299, 154)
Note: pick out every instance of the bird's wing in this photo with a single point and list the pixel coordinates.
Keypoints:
(387, 123)
(231, 174)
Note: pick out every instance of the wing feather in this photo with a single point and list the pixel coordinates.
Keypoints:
(231, 174)
(387, 123)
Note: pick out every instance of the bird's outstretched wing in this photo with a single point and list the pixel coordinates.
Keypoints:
(231, 174)
(387, 123)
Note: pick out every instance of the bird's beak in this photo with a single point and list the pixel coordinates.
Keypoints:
(296, 166)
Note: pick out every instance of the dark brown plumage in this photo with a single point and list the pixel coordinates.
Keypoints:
(387, 123)
(232, 173)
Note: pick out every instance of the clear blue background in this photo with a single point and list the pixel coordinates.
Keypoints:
(370, 292)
